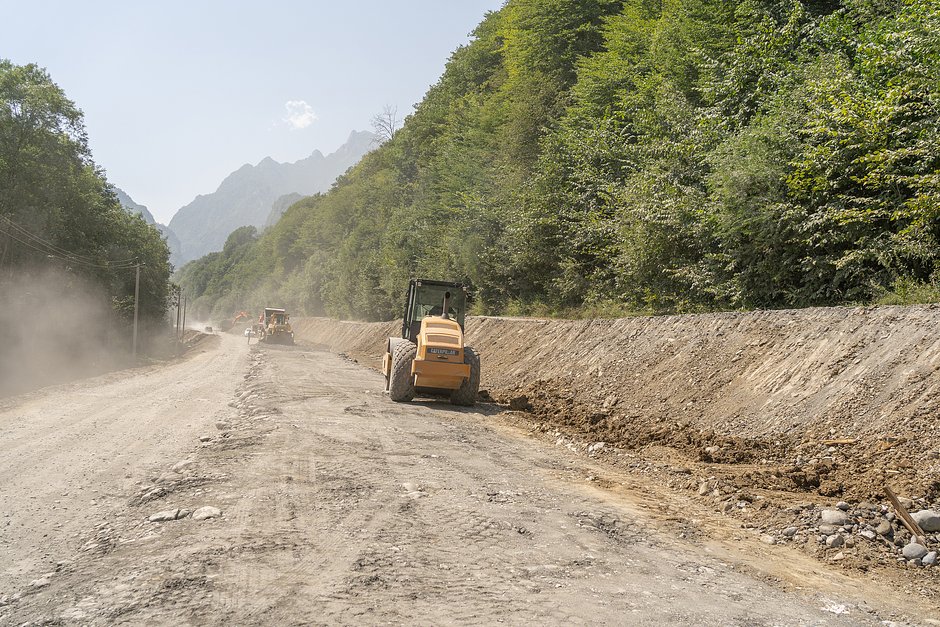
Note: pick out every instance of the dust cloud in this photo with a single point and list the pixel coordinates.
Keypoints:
(56, 327)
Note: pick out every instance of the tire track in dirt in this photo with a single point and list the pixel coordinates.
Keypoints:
(341, 507)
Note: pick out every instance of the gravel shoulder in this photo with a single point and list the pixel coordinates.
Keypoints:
(323, 502)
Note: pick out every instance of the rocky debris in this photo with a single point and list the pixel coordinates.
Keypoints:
(168, 514)
(412, 490)
(182, 464)
(597, 447)
(520, 403)
(205, 438)
(928, 520)
(868, 533)
(205, 512)
(914, 551)
(223, 425)
(835, 517)
(149, 493)
(36, 584)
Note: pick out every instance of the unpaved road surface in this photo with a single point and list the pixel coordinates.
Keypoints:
(339, 506)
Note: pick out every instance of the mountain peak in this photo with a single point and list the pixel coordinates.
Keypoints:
(248, 195)
(132, 207)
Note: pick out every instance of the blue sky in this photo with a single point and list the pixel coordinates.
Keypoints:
(177, 95)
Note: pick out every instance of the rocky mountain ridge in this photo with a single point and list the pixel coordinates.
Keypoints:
(255, 195)
(172, 240)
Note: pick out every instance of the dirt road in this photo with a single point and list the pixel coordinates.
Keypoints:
(335, 505)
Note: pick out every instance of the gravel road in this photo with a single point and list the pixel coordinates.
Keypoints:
(327, 503)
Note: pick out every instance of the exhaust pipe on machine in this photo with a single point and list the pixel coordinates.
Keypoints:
(444, 310)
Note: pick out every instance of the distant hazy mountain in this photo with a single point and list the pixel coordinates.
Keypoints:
(128, 203)
(280, 206)
(172, 241)
(248, 195)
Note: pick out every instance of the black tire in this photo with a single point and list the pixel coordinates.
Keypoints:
(466, 394)
(402, 386)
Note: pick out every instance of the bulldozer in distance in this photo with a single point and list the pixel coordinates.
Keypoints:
(430, 357)
(273, 327)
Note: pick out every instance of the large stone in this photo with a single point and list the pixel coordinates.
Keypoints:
(914, 551)
(883, 528)
(835, 542)
(928, 520)
(180, 465)
(930, 559)
(165, 515)
(205, 512)
(834, 517)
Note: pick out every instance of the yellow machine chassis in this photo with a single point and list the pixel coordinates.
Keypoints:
(433, 367)
(445, 376)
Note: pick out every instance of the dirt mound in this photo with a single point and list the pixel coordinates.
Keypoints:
(832, 401)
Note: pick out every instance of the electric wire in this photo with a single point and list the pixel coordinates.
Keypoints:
(57, 249)
(52, 247)
(60, 253)
(108, 265)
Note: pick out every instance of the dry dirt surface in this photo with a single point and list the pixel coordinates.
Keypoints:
(278, 485)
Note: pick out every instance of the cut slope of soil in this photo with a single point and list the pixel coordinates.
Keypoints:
(830, 401)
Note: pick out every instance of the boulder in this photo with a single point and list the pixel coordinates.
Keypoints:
(914, 551)
(205, 512)
(834, 517)
(928, 520)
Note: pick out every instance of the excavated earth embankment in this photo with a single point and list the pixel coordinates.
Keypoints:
(818, 405)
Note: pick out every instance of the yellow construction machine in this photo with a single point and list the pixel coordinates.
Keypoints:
(274, 327)
(430, 357)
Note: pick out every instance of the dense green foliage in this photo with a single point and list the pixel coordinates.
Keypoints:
(635, 155)
(57, 211)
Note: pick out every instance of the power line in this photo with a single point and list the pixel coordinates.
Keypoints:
(107, 265)
(56, 249)
(60, 253)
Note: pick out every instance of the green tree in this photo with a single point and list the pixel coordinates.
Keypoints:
(56, 207)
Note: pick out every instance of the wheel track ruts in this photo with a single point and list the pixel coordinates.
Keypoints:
(342, 519)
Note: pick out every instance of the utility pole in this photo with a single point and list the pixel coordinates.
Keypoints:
(136, 308)
(184, 316)
(178, 312)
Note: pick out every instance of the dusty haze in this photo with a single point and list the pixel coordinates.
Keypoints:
(57, 327)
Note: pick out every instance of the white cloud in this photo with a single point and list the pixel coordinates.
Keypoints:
(299, 114)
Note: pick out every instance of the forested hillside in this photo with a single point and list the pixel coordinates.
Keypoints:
(60, 216)
(638, 155)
